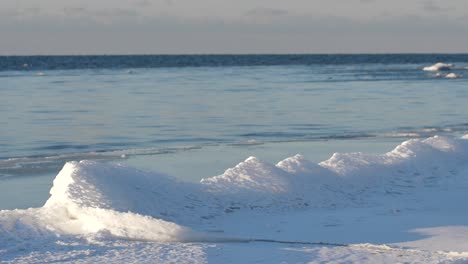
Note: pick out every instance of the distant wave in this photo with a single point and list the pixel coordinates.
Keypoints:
(313, 133)
(43, 164)
(43, 63)
(35, 165)
(250, 142)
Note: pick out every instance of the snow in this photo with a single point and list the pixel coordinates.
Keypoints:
(406, 205)
(251, 175)
(440, 66)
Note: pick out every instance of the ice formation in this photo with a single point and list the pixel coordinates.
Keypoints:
(439, 67)
(452, 76)
(95, 200)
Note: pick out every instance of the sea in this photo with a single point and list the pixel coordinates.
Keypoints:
(194, 116)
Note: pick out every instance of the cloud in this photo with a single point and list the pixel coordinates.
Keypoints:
(262, 15)
(102, 15)
(256, 21)
(269, 12)
(83, 30)
(75, 11)
(143, 3)
(29, 11)
(9, 13)
(430, 6)
(169, 2)
(32, 10)
(117, 12)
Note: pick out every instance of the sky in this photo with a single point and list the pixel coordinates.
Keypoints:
(40, 27)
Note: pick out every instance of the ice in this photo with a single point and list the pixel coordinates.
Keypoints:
(251, 175)
(452, 76)
(440, 66)
(371, 207)
(299, 166)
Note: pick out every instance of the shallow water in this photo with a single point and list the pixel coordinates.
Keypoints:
(194, 122)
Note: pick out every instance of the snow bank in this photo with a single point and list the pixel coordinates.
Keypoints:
(42, 224)
(439, 67)
(251, 175)
(342, 180)
(94, 199)
(115, 187)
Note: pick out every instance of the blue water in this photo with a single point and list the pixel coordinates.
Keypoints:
(12, 63)
(63, 108)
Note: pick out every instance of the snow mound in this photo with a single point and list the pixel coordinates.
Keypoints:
(292, 183)
(439, 67)
(119, 188)
(413, 164)
(94, 199)
(99, 200)
(299, 166)
(343, 180)
(250, 175)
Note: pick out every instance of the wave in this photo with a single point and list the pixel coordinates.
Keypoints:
(100, 62)
(35, 165)
(96, 200)
(312, 133)
(43, 164)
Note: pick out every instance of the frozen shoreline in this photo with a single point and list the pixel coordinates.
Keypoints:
(404, 205)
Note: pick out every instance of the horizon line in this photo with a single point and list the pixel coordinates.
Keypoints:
(231, 54)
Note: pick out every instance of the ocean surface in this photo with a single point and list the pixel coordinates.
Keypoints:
(194, 116)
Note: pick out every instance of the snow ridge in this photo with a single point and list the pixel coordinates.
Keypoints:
(95, 200)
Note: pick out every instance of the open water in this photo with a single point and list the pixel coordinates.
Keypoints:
(194, 116)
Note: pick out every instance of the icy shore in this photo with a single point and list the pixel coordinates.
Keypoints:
(404, 205)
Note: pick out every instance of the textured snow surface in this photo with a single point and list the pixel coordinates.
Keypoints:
(407, 205)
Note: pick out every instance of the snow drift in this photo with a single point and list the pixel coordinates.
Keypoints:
(91, 200)
(100, 200)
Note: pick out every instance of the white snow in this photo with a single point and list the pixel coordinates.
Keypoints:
(406, 205)
(440, 66)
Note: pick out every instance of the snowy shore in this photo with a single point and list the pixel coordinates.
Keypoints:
(406, 205)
